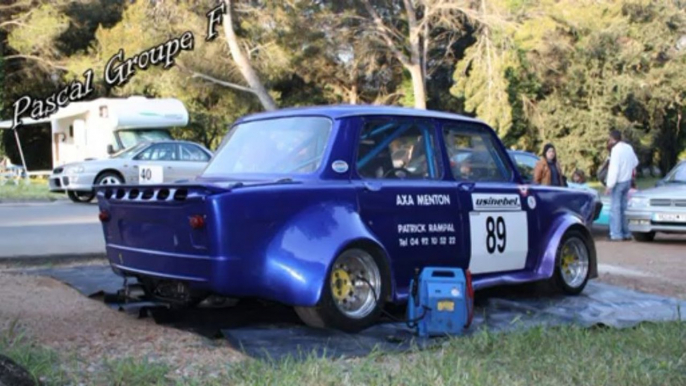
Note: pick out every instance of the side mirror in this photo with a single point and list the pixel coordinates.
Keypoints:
(110, 149)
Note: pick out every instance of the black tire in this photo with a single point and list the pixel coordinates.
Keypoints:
(80, 197)
(558, 281)
(107, 177)
(644, 237)
(328, 315)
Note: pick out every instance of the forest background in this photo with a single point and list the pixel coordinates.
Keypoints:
(537, 71)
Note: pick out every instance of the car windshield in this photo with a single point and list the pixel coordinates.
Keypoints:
(273, 146)
(129, 152)
(678, 174)
(130, 137)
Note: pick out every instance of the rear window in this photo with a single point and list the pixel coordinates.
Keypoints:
(292, 145)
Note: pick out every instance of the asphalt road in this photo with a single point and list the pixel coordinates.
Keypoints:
(44, 229)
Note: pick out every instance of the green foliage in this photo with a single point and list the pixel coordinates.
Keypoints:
(573, 71)
(561, 71)
(40, 28)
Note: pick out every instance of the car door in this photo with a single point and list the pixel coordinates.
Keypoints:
(157, 164)
(500, 214)
(405, 201)
(192, 161)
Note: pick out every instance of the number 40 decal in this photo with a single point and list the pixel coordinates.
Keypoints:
(146, 174)
(496, 235)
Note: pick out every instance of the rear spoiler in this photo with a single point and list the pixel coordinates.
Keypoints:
(179, 191)
(159, 192)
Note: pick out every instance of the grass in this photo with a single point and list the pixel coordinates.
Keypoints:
(650, 354)
(35, 189)
(42, 363)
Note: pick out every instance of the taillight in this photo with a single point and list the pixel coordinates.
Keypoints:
(470, 288)
(104, 216)
(470, 298)
(197, 221)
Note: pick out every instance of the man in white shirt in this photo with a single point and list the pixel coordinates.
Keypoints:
(623, 161)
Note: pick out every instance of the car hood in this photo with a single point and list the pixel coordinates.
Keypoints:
(666, 191)
(95, 163)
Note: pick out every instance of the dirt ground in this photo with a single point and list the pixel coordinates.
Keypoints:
(57, 316)
(657, 267)
(48, 311)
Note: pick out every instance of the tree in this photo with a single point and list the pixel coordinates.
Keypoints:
(606, 66)
(419, 34)
(243, 63)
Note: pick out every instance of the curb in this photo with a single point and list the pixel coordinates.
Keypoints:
(32, 260)
(30, 200)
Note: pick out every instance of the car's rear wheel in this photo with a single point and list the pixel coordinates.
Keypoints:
(80, 197)
(644, 237)
(354, 293)
(572, 263)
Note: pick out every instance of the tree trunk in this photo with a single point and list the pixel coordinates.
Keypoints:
(352, 95)
(415, 65)
(243, 63)
(418, 86)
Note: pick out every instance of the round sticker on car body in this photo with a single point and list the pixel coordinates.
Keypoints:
(339, 166)
(532, 202)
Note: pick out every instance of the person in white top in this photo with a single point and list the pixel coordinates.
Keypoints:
(623, 161)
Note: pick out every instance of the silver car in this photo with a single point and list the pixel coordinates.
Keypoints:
(660, 209)
(143, 163)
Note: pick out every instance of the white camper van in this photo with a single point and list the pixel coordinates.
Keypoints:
(95, 129)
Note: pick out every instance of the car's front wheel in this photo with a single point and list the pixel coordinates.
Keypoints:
(80, 197)
(109, 178)
(644, 237)
(354, 293)
(572, 263)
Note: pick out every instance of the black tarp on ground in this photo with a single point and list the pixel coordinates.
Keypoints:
(267, 330)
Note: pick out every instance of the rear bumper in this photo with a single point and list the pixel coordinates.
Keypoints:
(197, 271)
(288, 282)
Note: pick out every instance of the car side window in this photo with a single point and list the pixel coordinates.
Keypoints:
(159, 152)
(192, 153)
(526, 165)
(398, 149)
(474, 155)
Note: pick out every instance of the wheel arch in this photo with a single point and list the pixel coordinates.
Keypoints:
(375, 248)
(300, 253)
(111, 171)
(560, 228)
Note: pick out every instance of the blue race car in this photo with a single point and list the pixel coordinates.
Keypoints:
(332, 209)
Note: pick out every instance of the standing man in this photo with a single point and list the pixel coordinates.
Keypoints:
(623, 161)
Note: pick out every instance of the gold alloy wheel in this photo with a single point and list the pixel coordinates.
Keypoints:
(351, 278)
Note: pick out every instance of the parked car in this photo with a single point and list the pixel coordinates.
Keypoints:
(144, 163)
(526, 162)
(660, 209)
(307, 207)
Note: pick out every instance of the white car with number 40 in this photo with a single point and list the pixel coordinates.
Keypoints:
(144, 163)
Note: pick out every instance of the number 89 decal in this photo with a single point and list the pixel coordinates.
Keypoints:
(496, 237)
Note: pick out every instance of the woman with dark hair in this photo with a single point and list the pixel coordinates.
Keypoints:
(548, 170)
